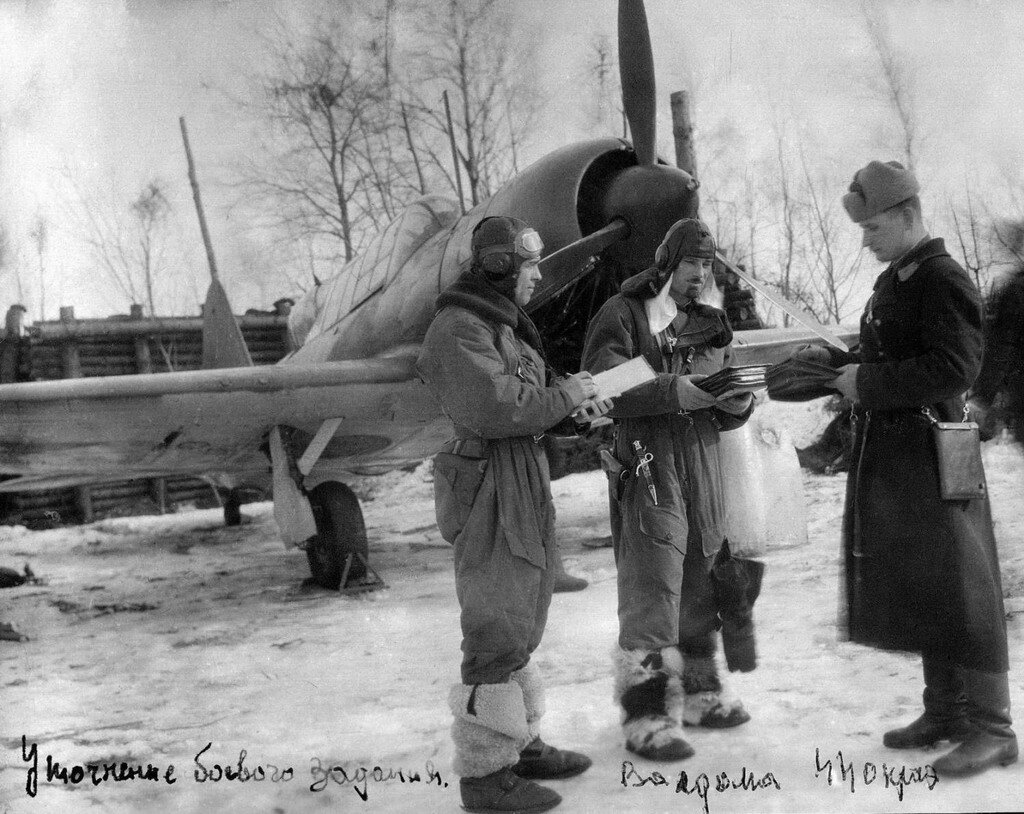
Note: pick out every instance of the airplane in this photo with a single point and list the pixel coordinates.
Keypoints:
(347, 401)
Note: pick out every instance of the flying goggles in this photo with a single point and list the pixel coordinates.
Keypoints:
(526, 244)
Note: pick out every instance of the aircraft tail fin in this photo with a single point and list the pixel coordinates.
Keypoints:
(223, 343)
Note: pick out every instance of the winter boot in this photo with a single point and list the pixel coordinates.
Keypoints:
(706, 703)
(504, 791)
(538, 761)
(992, 741)
(648, 686)
(945, 710)
(489, 729)
(565, 583)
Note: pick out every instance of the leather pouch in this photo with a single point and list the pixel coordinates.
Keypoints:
(958, 446)
(457, 480)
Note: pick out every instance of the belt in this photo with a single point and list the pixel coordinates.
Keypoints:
(470, 447)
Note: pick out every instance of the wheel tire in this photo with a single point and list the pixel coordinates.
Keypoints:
(340, 532)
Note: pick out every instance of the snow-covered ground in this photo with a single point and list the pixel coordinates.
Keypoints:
(175, 640)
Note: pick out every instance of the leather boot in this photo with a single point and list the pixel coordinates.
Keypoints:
(992, 741)
(505, 791)
(538, 761)
(945, 710)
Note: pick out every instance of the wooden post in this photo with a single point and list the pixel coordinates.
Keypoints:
(71, 359)
(83, 502)
(158, 488)
(198, 200)
(682, 132)
(143, 358)
(455, 151)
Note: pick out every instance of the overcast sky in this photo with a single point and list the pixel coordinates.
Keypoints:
(97, 86)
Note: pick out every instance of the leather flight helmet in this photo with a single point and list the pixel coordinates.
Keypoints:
(501, 244)
(689, 237)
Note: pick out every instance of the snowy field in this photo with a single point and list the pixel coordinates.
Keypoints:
(174, 641)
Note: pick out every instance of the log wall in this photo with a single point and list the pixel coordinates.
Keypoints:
(118, 346)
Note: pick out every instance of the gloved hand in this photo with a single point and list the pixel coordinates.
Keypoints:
(813, 353)
(690, 396)
(735, 405)
(591, 409)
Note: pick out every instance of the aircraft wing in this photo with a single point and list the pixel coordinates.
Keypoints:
(769, 346)
(208, 423)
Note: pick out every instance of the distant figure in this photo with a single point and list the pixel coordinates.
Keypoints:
(921, 573)
(667, 510)
(482, 358)
(1002, 370)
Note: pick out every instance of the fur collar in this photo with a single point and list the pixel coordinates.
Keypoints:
(472, 292)
(705, 319)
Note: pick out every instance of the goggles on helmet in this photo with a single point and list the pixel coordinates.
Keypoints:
(527, 245)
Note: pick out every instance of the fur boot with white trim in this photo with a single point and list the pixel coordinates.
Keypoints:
(707, 703)
(648, 686)
(490, 730)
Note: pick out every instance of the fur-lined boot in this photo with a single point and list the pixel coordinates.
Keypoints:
(538, 760)
(490, 730)
(706, 702)
(649, 688)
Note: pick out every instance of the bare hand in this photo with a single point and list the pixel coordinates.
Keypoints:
(735, 404)
(580, 387)
(690, 396)
(846, 382)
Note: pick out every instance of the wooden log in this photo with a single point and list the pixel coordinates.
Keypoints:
(55, 329)
(682, 132)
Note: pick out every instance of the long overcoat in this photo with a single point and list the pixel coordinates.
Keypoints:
(921, 573)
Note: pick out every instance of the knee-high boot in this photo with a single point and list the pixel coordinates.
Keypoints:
(945, 709)
(649, 688)
(992, 741)
(490, 729)
(706, 704)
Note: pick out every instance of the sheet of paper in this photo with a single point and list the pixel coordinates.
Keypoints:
(617, 380)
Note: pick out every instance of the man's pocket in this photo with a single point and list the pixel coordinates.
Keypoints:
(457, 481)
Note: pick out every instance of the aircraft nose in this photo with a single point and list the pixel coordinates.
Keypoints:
(650, 199)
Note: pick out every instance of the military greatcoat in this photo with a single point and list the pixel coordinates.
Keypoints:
(921, 573)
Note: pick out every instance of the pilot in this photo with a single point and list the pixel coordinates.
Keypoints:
(482, 358)
(667, 513)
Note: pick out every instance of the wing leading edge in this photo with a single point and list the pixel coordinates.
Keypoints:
(209, 423)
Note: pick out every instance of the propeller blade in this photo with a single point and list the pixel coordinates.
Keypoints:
(791, 308)
(636, 72)
(563, 268)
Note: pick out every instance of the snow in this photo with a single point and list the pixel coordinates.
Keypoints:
(152, 637)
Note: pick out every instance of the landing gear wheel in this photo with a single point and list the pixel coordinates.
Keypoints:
(340, 532)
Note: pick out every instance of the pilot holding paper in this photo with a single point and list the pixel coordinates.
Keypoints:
(667, 511)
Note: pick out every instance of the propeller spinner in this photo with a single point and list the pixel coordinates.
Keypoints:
(642, 201)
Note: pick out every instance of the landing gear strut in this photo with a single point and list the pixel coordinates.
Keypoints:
(338, 554)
